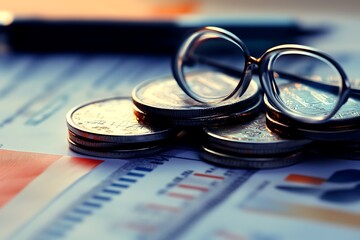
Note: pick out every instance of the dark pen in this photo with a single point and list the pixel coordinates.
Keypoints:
(153, 37)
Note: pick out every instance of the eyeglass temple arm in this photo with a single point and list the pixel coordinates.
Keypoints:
(222, 67)
(236, 73)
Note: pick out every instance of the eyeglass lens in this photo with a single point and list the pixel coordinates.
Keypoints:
(306, 83)
(213, 66)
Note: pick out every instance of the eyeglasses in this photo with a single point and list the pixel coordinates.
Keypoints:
(301, 82)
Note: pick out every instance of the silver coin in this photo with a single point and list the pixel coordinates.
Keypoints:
(332, 125)
(203, 121)
(328, 126)
(165, 98)
(89, 143)
(294, 97)
(252, 137)
(113, 120)
(239, 161)
(291, 131)
(116, 153)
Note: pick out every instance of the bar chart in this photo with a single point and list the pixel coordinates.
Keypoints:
(176, 190)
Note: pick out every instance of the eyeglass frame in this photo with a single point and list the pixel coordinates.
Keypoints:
(264, 64)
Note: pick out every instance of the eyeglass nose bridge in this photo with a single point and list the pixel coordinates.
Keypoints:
(253, 60)
(252, 63)
(250, 66)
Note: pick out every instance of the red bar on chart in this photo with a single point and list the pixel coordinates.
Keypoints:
(209, 176)
(192, 187)
(305, 179)
(181, 196)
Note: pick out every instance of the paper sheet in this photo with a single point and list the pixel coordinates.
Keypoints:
(170, 195)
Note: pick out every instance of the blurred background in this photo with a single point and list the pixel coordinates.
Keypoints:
(342, 16)
(158, 8)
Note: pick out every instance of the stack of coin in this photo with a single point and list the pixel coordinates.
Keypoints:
(163, 100)
(250, 145)
(344, 126)
(342, 130)
(109, 128)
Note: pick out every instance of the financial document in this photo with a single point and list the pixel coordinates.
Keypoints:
(172, 195)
